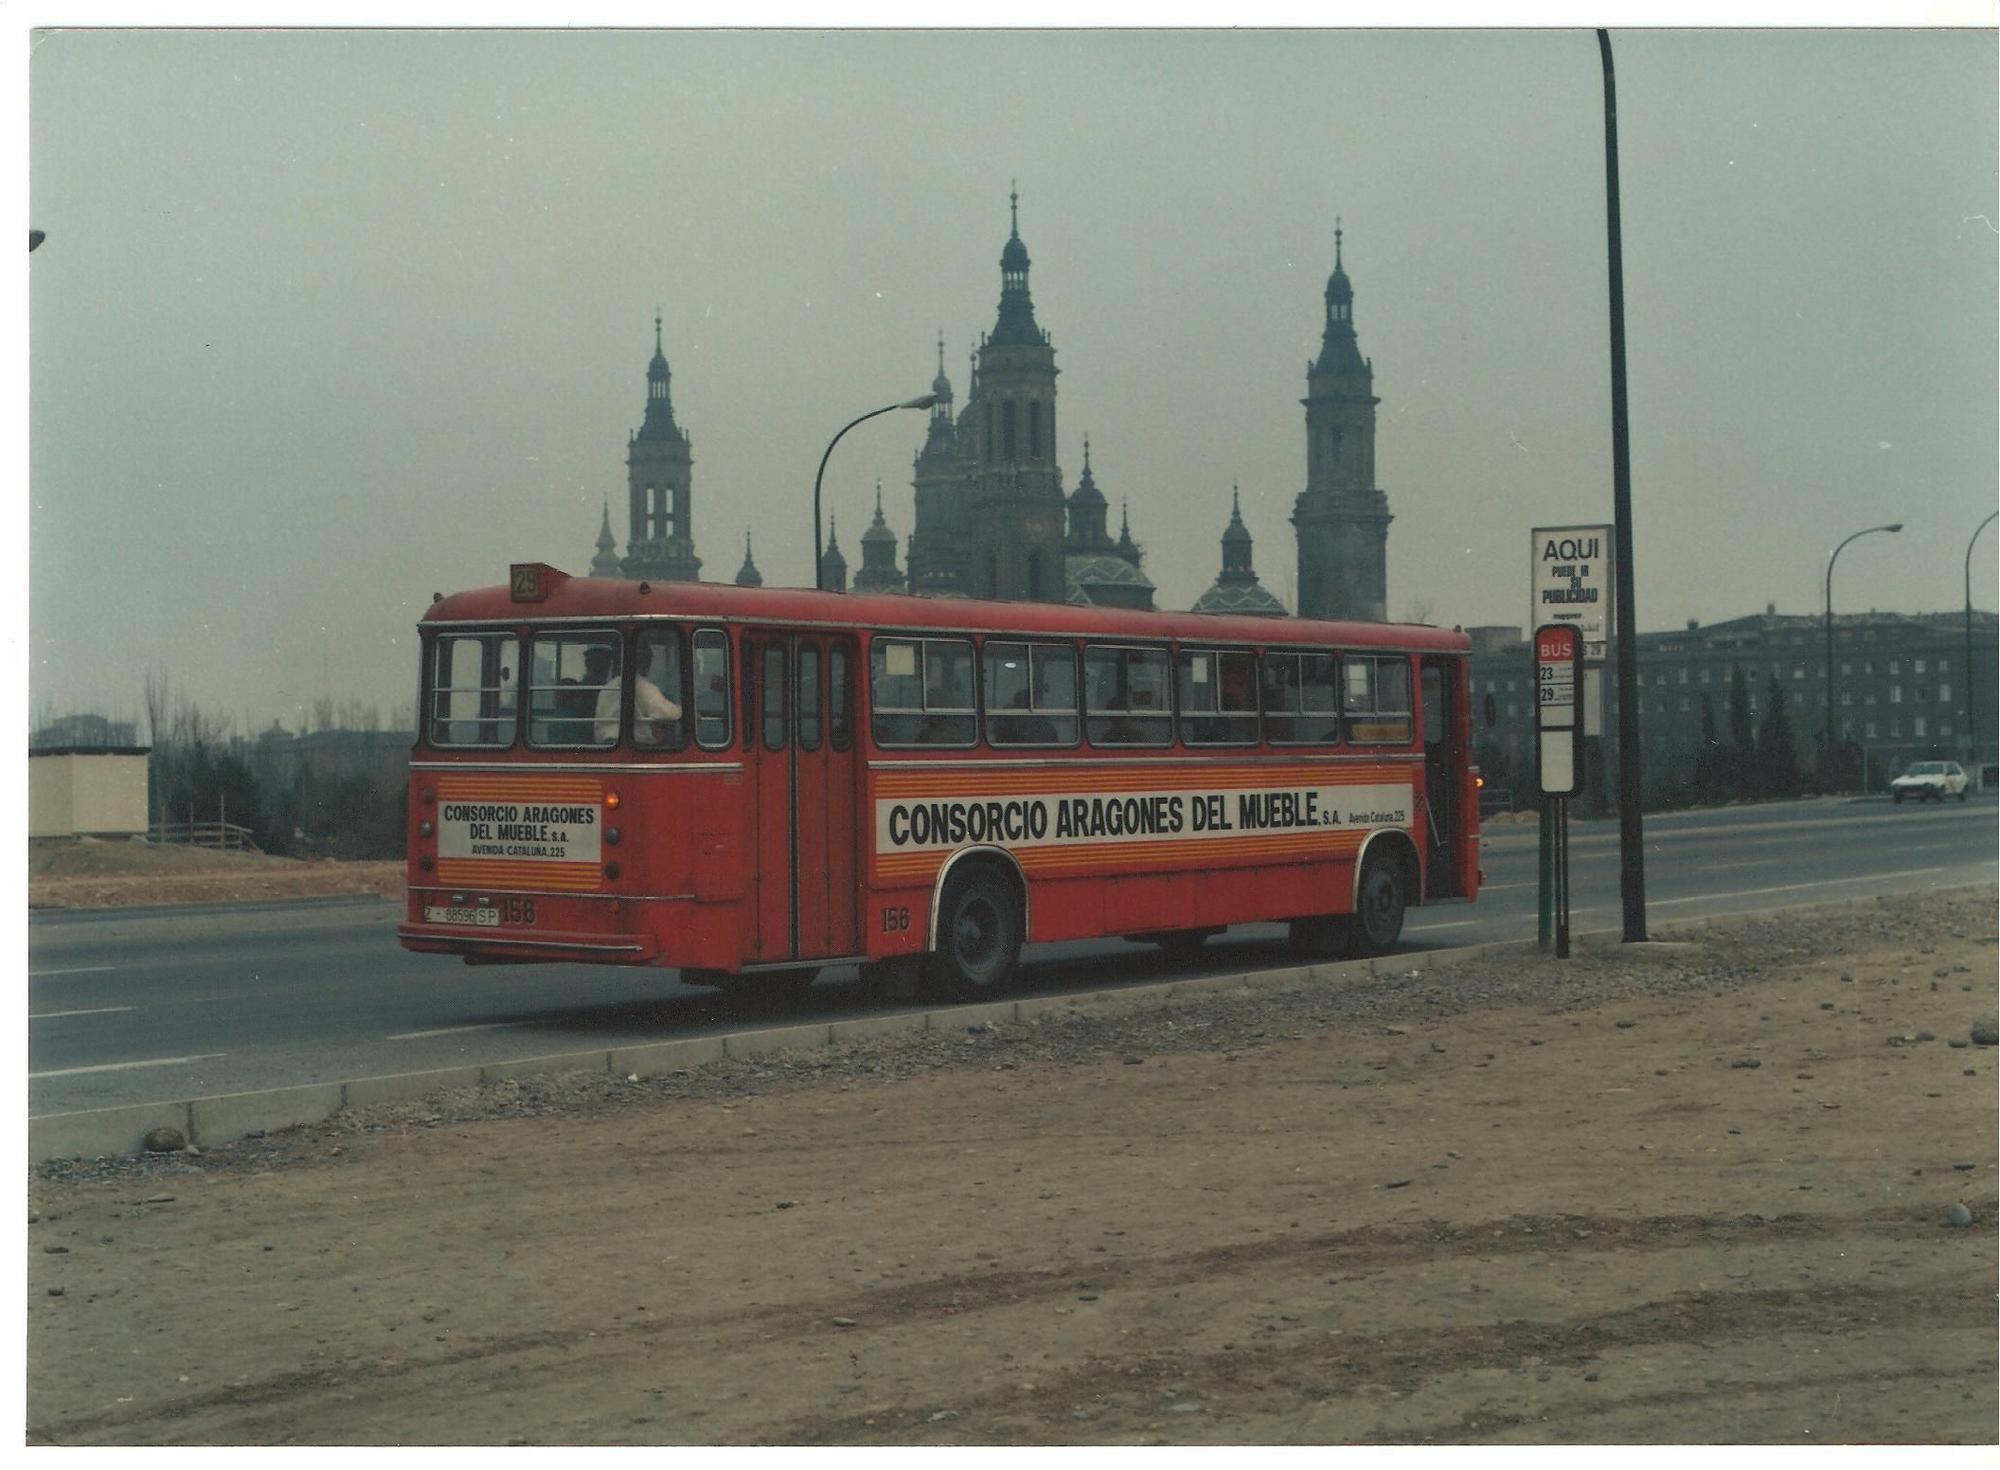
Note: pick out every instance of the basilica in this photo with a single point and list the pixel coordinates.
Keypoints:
(991, 517)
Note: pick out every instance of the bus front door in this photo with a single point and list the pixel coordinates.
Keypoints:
(1442, 765)
(803, 755)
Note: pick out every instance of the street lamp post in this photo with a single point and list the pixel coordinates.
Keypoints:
(1972, 684)
(924, 402)
(1826, 755)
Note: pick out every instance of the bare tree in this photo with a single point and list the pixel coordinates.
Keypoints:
(1418, 610)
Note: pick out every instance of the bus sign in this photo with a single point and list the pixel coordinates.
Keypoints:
(1558, 719)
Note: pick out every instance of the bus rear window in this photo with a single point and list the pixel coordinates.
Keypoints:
(475, 689)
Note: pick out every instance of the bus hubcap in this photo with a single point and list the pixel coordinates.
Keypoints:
(976, 935)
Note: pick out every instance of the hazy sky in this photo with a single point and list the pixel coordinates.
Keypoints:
(327, 321)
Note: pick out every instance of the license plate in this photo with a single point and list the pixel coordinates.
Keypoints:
(483, 918)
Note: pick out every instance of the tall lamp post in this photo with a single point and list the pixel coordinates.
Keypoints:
(1826, 760)
(1972, 684)
(926, 401)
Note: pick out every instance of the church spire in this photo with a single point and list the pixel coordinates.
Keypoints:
(747, 575)
(832, 565)
(1338, 352)
(605, 563)
(1016, 323)
(659, 420)
(1127, 547)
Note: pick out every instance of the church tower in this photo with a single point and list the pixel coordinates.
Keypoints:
(1017, 501)
(937, 541)
(660, 471)
(1342, 519)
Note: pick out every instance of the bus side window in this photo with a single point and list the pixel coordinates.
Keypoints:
(711, 689)
(658, 664)
(1375, 700)
(1127, 696)
(923, 692)
(1218, 697)
(1301, 698)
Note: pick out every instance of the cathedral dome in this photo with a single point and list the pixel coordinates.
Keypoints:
(1105, 579)
(1240, 597)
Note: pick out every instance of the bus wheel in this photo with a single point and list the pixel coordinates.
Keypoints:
(1379, 905)
(978, 937)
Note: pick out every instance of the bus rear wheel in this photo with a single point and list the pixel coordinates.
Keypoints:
(978, 939)
(1379, 902)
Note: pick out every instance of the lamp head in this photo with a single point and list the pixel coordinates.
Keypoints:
(924, 402)
(1897, 527)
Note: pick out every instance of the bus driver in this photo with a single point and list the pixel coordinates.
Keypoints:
(650, 708)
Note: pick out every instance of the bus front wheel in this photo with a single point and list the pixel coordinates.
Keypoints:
(1379, 902)
(978, 938)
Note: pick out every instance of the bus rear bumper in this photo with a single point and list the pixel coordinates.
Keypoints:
(483, 946)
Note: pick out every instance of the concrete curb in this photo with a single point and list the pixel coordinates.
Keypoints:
(209, 1122)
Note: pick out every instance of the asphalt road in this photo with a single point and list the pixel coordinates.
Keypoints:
(138, 1005)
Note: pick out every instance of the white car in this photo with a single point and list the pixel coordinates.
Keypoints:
(1928, 780)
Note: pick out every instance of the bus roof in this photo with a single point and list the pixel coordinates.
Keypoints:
(592, 599)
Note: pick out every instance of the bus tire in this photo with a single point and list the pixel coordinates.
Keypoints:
(978, 938)
(1379, 901)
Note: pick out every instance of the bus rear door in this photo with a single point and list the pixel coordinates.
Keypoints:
(802, 753)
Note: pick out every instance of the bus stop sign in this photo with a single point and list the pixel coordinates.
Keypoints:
(1559, 708)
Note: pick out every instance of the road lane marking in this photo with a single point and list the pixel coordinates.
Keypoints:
(99, 1011)
(1746, 863)
(1791, 887)
(454, 1030)
(79, 970)
(1496, 887)
(1454, 924)
(127, 1066)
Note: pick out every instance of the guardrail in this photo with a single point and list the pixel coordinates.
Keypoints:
(1495, 799)
(223, 836)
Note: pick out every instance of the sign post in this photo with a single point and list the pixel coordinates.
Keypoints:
(1559, 747)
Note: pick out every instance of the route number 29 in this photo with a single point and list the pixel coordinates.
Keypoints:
(895, 919)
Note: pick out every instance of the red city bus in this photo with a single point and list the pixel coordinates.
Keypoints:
(749, 784)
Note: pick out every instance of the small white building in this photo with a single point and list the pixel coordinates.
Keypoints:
(87, 792)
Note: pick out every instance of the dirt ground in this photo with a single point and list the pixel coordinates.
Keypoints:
(1697, 1191)
(93, 874)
